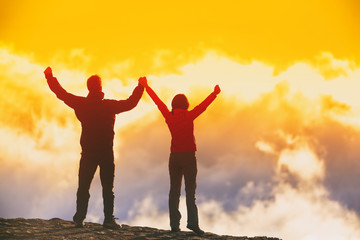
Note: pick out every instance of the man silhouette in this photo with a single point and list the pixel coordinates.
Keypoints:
(97, 117)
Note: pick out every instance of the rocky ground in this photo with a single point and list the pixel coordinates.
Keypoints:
(20, 228)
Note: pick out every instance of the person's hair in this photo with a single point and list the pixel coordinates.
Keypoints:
(180, 101)
(94, 84)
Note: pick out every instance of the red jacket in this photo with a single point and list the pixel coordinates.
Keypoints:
(181, 122)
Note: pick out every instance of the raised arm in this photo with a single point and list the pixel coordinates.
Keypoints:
(199, 109)
(70, 99)
(54, 85)
(131, 102)
(162, 107)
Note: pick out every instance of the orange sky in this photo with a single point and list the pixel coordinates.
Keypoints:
(106, 32)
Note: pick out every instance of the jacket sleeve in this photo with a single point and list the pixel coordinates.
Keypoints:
(128, 104)
(199, 109)
(68, 98)
(161, 106)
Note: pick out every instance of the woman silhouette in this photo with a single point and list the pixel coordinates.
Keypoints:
(182, 161)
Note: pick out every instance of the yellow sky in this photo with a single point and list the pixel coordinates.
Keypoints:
(158, 36)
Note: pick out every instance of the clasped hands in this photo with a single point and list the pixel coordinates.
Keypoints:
(143, 82)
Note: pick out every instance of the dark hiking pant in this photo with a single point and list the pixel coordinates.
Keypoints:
(182, 164)
(88, 166)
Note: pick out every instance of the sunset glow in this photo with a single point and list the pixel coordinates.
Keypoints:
(278, 151)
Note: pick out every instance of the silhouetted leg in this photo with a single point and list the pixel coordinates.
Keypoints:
(190, 172)
(86, 174)
(107, 168)
(175, 171)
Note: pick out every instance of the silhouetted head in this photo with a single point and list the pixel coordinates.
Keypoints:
(94, 84)
(180, 101)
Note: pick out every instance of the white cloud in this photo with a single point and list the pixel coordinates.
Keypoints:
(302, 162)
(298, 213)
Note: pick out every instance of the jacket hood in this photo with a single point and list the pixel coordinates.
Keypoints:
(95, 95)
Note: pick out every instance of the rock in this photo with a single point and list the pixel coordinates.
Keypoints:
(56, 228)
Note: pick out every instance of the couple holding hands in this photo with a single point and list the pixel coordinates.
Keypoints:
(97, 117)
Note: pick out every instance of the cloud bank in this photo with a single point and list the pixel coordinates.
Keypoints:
(278, 154)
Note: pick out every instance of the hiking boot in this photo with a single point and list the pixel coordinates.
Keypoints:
(195, 229)
(111, 223)
(78, 223)
(175, 229)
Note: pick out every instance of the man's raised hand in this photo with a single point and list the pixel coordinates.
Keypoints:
(48, 73)
(143, 81)
(217, 90)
